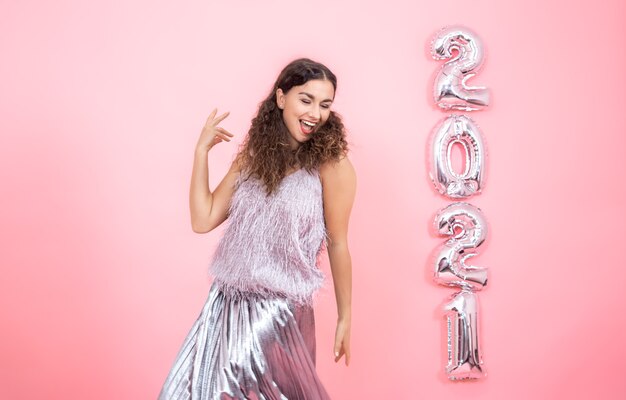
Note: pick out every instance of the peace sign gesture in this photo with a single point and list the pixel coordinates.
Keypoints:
(211, 133)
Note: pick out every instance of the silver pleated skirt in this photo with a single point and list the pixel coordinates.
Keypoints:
(247, 347)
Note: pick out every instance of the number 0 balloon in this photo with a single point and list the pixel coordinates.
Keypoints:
(457, 129)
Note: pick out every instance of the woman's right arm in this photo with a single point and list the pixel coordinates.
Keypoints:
(209, 210)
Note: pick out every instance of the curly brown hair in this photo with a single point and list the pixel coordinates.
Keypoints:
(265, 152)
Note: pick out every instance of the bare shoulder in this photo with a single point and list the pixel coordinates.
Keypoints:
(228, 181)
(341, 170)
(338, 192)
(236, 164)
(235, 169)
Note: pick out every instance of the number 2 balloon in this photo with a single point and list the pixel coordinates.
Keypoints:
(451, 91)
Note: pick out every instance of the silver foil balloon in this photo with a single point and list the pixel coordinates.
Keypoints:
(466, 226)
(450, 88)
(463, 130)
(464, 350)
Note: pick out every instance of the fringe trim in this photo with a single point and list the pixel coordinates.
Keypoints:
(261, 293)
(272, 244)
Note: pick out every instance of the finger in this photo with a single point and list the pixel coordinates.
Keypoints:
(220, 118)
(337, 348)
(338, 354)
(223, 133)
(223, 137)
(219, 128)
(211, 116)
(347, 358)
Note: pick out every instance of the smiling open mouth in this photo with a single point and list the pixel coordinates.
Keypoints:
(307, 126)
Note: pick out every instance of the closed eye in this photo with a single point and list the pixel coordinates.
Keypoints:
(307, 101)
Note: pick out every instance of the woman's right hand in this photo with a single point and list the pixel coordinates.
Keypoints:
(213, 134)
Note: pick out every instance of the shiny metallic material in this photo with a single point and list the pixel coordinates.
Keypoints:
(450, 266)
(463, 223)
(464, 354)
(450, 87)
(463, 130)
(247, 348)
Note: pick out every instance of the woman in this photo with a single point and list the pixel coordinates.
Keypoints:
(288, 193)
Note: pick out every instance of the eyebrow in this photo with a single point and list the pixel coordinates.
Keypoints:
(313, 97)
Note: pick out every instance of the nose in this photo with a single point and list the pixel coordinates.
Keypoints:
(314, 113)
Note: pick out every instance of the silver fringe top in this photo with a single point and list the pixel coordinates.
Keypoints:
(271, 244)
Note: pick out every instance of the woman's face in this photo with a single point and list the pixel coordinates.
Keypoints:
(305, 108)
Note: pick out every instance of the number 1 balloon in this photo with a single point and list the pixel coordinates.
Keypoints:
(450, 89)
(464, 354)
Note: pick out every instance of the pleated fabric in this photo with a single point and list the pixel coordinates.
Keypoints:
(247, 347)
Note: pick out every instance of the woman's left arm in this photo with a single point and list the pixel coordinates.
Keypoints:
(339, 189)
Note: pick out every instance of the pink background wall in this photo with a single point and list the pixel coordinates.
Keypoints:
(101, 104)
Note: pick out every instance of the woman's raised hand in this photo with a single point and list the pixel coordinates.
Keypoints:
(213, 134)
